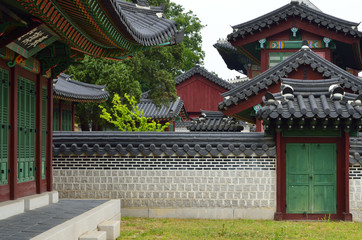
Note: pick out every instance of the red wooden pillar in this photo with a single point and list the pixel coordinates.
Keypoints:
(278, 215)
(13, 135)
(347, 216)
(73, 115)
(259, 126)
(38, 133)
(49, 152)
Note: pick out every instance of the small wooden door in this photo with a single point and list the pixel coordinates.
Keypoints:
(311, 178)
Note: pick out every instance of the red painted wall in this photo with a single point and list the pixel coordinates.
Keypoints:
(199, 93)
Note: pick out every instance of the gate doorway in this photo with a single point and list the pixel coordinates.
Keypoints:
(311, 178)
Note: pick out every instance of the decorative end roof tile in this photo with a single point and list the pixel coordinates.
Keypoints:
(304, 56)
(159, 143)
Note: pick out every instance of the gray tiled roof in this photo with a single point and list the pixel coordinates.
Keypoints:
(145, 24)
(159, 143)
(214, 121)
(311, 99)
(203, 72)
(304, 56)
(231, 56)
(295, 10)
(355, 150)
(169, 111)
(68, 89)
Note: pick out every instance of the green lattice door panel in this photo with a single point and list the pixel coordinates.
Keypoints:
(66, 120)
(44, 132)
(4, 125)
(311, 178)
(277, 57)
(26, 130)
(55, 119)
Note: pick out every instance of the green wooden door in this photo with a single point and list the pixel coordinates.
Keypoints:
(4, 125)
(55, 119)
(311, 178)
(26, 130)
(66, 119)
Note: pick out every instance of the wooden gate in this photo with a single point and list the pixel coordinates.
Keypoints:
(311, 178)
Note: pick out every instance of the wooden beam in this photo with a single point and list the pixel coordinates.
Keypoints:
(49, 152)
(13, 139)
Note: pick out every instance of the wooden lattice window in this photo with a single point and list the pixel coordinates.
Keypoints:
(4, 125)
(26, 130)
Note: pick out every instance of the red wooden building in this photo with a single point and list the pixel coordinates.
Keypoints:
(199, 89)
(40, 39)
(269, 39)
(308, 63)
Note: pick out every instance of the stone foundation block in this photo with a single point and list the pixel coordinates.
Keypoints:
(36, 201)
(53, 197)
(94, 235)
(11, 208)
(112, 228)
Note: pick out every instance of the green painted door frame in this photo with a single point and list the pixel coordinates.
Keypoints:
(311, 180)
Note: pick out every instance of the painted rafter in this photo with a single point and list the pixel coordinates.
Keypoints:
(107, 40)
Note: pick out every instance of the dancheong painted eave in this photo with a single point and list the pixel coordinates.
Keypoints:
(109, 28)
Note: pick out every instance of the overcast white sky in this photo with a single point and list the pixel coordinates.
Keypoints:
(219, 15)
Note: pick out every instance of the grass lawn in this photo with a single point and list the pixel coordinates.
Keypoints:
(148, 228)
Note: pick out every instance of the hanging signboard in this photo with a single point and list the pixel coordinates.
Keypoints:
(33, 41)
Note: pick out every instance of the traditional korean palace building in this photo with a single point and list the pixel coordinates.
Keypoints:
(67, 93)
(303, 66)
(200, 90)
(39, 39)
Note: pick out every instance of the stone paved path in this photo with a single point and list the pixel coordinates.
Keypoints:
(30, 224)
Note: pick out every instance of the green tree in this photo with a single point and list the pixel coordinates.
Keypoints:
(117, 78)
(128, 117)
(156, 69)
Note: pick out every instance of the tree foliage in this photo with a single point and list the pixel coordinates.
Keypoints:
(115, 75)
(157, 68)
(128, 117)
(154, 69)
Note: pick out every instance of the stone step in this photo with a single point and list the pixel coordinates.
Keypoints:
(94, 235)
(112, 228)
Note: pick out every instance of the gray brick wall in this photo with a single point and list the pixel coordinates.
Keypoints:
(355, 192)
(171, 189)
(150, 183)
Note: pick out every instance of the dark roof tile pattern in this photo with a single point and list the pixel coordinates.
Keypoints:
(232, 57)
(311, 99)
(69, 89)
(162, 143)
(146, 24)
(203, 72)
(215, 121)
(151, 110)
(355, 150)
(304, 56)
(291, 10)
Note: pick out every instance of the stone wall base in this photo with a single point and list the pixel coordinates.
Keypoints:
(201, 213)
